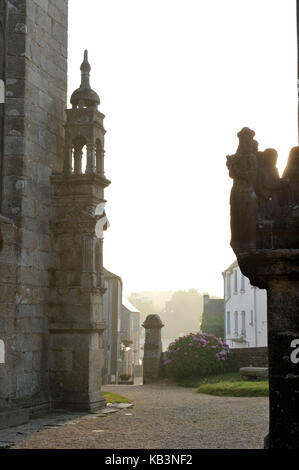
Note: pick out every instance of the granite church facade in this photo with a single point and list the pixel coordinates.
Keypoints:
(52, 219)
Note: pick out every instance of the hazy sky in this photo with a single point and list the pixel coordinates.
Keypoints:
(177, 80)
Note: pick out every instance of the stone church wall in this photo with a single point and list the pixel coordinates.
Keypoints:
(36, 92)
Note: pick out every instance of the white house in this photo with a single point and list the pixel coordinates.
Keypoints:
(245, 310)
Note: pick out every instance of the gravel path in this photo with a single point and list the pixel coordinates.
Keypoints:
(164, 416)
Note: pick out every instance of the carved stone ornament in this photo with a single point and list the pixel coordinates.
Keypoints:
(264, 207)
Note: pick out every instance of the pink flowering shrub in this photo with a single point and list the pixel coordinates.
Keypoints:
(196, 354)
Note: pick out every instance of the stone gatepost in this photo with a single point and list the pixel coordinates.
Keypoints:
(265, 238)
(76, 306)
(152, 348)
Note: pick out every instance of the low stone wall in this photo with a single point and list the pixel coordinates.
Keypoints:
(244, 357)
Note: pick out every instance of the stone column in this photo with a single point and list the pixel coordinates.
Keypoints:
(152, 348)
(100, 161)
(75, 315)
(91, 158)
(283, 305)
(78, 160)
(278, 272)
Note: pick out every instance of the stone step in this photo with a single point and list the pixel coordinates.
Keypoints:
(13, 417)
(254, 371)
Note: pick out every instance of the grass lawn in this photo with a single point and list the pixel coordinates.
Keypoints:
(227, 385)
(195, 382)
(243, 388)
(114, 398)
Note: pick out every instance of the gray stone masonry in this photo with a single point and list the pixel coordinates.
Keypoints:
(52, 220)
(152, 348)
(264, 226)
(35, 76)
(76, 305)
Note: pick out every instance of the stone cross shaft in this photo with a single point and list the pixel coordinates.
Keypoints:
(265, 239)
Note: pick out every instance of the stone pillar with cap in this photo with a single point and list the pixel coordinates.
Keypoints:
(268, 254)
(152, 348)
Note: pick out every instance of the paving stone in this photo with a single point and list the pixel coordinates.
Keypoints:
(120, 406)
(166, 417)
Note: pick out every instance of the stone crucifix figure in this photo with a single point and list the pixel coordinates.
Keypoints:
(243, 169)
(265, 239)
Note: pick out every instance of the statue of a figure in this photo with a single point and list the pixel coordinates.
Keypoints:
(291, 173)
(269, 186)
(243, 168)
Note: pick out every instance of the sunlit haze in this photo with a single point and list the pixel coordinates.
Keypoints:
(177, 80)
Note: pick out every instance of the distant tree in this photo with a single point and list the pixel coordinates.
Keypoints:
(185, 303)
(213, 324)
(182, 313)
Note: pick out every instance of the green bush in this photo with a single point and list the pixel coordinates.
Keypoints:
(195, 355)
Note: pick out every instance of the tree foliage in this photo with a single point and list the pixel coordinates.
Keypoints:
(213, 324)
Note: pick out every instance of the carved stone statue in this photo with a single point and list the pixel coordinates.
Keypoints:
(291, 173)
(243, 168)
(269, 186)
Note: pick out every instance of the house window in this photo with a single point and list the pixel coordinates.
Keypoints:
(242, 283)
(236, 324)
(228, 323)
(2, 352)
(251, 317)
(243, 319)
(228, 291)
(236, 280)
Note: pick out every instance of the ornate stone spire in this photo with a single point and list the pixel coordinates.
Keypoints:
(85, 71)
(85, 97)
